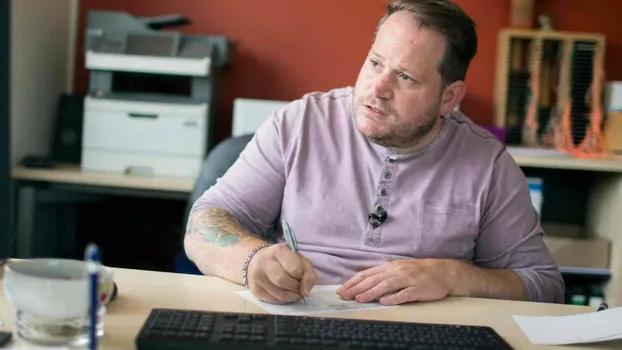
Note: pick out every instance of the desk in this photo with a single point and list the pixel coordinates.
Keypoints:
(66, 185)
(140, 291)
(72, 175)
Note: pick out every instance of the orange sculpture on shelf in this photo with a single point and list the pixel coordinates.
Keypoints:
(548, 93)
(592, 145)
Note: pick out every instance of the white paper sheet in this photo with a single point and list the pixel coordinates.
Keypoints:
(323, 299)
(590, 327)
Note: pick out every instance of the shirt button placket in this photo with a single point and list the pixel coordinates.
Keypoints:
(382, 198)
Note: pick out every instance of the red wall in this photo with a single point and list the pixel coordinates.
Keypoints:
(284, 48)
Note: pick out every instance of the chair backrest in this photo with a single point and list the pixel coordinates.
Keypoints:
(218, 161)
(216, 164)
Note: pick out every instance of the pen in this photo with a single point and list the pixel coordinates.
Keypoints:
(290, 239)
(91, 255)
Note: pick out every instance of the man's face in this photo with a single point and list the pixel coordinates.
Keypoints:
(398, 97)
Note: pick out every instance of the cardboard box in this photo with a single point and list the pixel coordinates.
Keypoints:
(591, 253)
(554, 229)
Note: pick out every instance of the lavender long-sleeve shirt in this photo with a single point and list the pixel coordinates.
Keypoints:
(462, 197)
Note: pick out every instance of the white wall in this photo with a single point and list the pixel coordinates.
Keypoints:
(42, 45)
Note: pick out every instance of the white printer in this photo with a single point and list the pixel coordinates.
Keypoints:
(149, 110)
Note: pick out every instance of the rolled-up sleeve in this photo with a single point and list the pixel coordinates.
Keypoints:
(252, 188)
(511, 236)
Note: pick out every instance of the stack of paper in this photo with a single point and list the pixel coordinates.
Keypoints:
(323, 299)
(583, 328)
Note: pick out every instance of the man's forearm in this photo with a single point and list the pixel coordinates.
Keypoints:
(472, 281)
(217, 243)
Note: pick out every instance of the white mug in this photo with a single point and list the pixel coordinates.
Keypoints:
(51, 299)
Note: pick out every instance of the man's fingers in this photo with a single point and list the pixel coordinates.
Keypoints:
(290, 262)
(280, 295)
(279, 277)
(309, 276)
(284, 281)
(346, 288)
(403, 296)
(363, 286)
(263, 295)
(269, 281)
(383, 287)
(299, 269)
(273, 296)
(359, 277)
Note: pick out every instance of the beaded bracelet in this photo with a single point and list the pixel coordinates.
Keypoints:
(248, 261)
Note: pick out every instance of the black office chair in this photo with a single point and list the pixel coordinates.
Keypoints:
(216, 164)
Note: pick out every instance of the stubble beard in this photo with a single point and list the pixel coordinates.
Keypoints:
(398, 136)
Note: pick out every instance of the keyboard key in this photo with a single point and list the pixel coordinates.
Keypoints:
(298, 341)
(243, 330)
(226, 337)
(258, 339)
(314, 342)
(241, 337)
(330, 343)
(227, 329)
(202, 335)
(244, 318)
(159, 324)
(260, 330)
(282, 340)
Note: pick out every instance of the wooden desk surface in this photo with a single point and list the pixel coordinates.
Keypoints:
(140, 291)
(72, 174)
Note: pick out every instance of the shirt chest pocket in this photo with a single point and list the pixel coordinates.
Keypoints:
(446, 230)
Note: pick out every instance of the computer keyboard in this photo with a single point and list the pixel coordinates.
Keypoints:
(171, 329)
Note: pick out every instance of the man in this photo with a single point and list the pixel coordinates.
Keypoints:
(390, 193)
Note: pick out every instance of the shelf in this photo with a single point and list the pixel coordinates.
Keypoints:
(584, 271)
(551, 159)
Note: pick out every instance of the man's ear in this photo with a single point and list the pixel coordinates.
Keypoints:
(452, 95)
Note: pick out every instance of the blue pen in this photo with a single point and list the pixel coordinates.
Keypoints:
(92, 258)
(290, 239)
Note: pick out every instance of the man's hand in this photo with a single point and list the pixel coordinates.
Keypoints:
(278, 275)
(400, 281)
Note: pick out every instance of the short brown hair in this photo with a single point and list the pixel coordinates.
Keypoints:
(450, 20)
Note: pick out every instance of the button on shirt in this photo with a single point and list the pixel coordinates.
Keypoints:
(461, 197)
